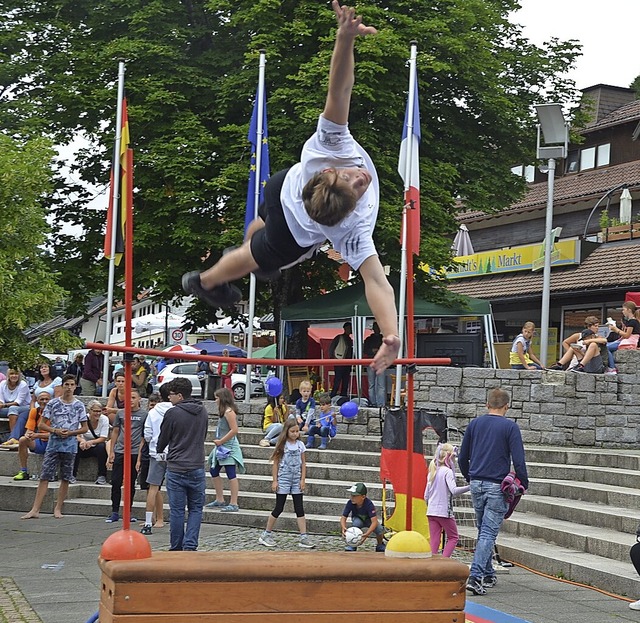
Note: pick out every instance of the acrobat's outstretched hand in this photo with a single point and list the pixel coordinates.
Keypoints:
(349, 22)
(386, 354)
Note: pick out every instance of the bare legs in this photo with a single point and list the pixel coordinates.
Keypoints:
(234, 489)
(43, 485)
(233, 265)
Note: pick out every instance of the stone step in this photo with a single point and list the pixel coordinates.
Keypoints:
(596, 540)
(594, 457)
(582, 473)
(619, 519)
(614, 576)
(624, 497)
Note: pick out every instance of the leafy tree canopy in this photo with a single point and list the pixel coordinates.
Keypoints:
(28, 289)
(191, 78)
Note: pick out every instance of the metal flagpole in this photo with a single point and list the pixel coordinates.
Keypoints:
(405, 219)
(407, 281)
(115, 206)
(256, 204)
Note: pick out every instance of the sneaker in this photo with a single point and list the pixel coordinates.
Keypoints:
(267, 540)
(635, 605)
(230, 508)
(381, 547)
(133, 520)
(489, 581)
(305, 542)
(101, 480)
(113, 518)
(72, 480)
(21, 475)
(350, 548)
(611, 371)
(577, 368)
(224, 295)
(146, 529)
(215, 504)
(556, 366)
(264, 443)
(475, 586)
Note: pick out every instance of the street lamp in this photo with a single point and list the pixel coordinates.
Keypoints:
(553, 141)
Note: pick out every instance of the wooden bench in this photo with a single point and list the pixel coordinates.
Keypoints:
(271, 587)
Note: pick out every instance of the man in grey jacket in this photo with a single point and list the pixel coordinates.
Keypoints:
(183, 430)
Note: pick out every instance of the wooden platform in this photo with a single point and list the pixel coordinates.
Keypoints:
(270, 587)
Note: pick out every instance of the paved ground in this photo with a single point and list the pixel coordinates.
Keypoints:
(49, 574)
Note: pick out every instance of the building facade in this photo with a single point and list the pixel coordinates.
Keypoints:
(594, 251)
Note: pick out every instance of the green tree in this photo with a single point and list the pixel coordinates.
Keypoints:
(28, 290)
(191, 79)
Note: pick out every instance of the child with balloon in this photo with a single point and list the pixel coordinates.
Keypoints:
(275, 413)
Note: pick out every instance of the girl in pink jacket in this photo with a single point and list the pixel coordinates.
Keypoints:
(441, 488)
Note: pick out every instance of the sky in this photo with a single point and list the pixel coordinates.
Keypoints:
(607, 31)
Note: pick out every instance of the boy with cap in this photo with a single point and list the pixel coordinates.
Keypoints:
(363, 515)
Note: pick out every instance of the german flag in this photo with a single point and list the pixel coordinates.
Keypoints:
(125, 203)
(394, 464)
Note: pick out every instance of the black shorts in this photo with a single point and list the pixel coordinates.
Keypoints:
(273, 246)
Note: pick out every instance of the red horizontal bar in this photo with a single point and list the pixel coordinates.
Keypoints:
(426, 361)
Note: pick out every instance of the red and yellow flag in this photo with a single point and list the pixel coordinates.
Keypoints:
(125, 203)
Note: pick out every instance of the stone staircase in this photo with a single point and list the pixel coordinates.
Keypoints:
(578, 520)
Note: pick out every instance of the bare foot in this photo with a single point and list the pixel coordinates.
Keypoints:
(57, 514)
(31, 515)
(158, 524)
(386, 354)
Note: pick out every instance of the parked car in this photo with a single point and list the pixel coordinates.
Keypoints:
(189, 370)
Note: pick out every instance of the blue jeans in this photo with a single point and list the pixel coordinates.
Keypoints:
(272, 432)
(185, 490)
(490, 506)
(612, 347)
(377, 388)
(22, 414)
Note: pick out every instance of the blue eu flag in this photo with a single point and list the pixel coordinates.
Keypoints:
(260, 143)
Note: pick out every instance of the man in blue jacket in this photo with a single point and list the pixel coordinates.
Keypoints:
(490, 445)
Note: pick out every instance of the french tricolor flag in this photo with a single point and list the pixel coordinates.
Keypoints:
(408, 167)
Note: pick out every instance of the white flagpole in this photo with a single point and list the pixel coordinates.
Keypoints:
(256, 203)
(407, 179)
(115, 201)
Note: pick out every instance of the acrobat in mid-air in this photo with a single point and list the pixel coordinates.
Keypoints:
(332, 194)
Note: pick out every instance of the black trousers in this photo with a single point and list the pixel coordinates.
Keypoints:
(341, 380)
(98, 451)
(117, 478)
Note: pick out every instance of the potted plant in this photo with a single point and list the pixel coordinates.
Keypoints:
(618, 231)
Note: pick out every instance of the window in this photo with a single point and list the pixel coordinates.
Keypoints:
(588, 158)
(526, 171)
(572, 162)
(604, 153)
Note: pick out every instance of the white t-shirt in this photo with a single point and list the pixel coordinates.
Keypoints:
(102, 429)
(37, 389)
(332, 146)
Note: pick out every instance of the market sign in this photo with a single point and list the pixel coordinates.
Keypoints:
(513, 259)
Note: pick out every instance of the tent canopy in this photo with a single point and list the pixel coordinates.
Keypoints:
(342, 304)
(214, 347)
(268, 352)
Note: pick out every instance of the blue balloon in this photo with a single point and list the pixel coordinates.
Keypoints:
(274, 386)
(349, 410)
